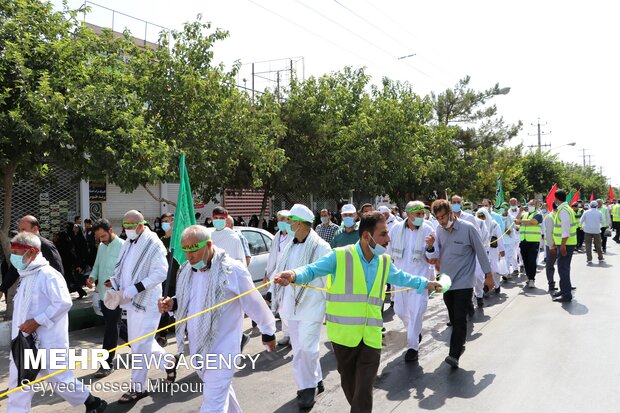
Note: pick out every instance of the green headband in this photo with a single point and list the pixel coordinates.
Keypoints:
(132, 225)
(415, 209)
(195, 247)
(296, 218)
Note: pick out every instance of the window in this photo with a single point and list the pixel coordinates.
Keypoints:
(256, 242)
(268, 241)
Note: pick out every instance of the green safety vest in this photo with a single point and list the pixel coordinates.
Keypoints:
(616, 213)
(352, 314)
(579, 213)
(557, 227)
(603, 211)
(530, 233)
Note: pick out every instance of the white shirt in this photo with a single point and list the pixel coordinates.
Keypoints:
(548, 229)
(565, 221)
(49, 306)
(420, 267)
(591, 221)
(229, 241)
(230, 324)
(312, 305)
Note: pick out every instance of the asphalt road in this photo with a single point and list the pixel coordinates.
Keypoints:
(525, 353)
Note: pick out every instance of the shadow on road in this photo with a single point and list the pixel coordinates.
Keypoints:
(404, 381)
(575, 308)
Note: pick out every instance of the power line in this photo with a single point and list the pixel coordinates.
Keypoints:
(317, 35)
(365, 40)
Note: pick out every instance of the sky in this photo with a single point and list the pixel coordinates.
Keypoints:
(559, 58)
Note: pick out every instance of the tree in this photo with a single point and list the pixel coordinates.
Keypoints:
(542, 170)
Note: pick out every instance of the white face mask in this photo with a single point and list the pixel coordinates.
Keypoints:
(325, 220)
(131, 234)
(531, 208)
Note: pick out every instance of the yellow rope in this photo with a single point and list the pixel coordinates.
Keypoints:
(507, 229)
(6, 393)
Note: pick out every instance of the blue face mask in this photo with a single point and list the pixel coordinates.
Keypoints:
(377, 249)
(290, 230)
(18, 263)
(456, 208)
(348, 221)
(165, 226)
(500, 211)
(219, 224)
(282, 226)
(418, 221)
(199, 265)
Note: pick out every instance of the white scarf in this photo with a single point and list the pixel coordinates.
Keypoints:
(308, 255)
(27, 283)
(217, 280)
(398, 241)
(147, 245)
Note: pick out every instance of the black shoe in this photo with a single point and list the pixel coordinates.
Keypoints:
(411, 355)
(97, 406)
(498, 290)
(449, 324)
(480, 302)
(101, 373)
(452, 361)
(557, 294)
(573, 288)
(552, 289)
(162, 341)
(319, 387)
(305, 398)
(245, 338)
(562, 299)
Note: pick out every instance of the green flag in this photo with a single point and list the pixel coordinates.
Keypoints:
(499, 193)
(183, 214)
(569, 197)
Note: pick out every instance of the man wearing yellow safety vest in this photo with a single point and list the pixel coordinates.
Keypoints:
(615, 212)
(564, 242)
(530, 226)
(606, 223)
(356, 290)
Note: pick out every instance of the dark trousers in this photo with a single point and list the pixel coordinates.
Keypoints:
(358, 368)
(458, 303)
(616, 226)
(603, 239)
(529, 253)
(111, 320)
(550, 266)
(564, 270)
(580, 237)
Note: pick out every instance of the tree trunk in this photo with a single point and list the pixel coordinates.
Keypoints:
(158, 199)
(8, 174)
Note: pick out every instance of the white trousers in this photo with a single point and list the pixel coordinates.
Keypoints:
(285, 332)
(494, 261)
(511, 257)
(218, 395)
(479, 286)
(21, 400)
(410, 307)
(140, 323)
(305, 340)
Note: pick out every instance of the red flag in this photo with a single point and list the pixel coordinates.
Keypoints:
(592, 196)
(551, 197)
(612, 198)
(575, 197)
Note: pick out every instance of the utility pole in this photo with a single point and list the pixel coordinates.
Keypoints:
(540, 133)
(584, 157)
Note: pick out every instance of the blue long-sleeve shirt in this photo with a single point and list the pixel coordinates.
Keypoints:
(327, 265)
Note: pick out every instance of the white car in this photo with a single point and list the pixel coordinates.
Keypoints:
(259, 242)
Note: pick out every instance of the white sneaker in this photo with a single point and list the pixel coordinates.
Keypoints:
(531, 284)
(284, 341)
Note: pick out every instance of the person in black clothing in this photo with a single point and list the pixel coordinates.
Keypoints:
(91, 243)
(64, 241)
(167, 221)
(48, 250)
(157, 227)
(253, 221)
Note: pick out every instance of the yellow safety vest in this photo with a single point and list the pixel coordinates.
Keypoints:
(557, 227)
(603, 211)
(352, 314)
(616, 213)
(530, 233)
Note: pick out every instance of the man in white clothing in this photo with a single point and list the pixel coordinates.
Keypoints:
(591, 221)
(208, 278)
(303, 308)
(280, 240)
(408, 250)
(138, 275)
(42, 304)
(225, 238)
(390, 219)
